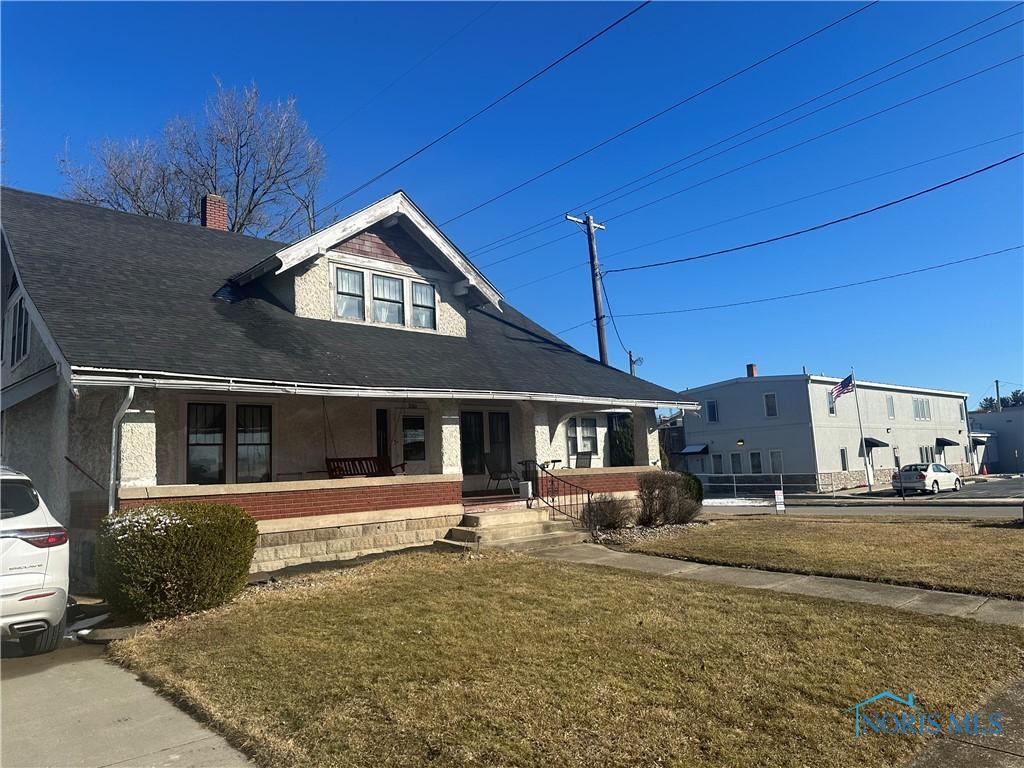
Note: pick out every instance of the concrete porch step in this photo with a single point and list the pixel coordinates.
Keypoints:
(494, 517)
(495, 533)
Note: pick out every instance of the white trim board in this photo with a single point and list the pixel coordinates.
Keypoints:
(83, 376)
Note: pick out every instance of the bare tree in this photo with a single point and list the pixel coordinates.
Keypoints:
(260, 157)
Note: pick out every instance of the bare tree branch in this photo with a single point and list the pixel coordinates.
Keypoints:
(259, 157)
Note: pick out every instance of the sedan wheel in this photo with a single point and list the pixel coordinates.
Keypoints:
(957, 485)
(935, 487)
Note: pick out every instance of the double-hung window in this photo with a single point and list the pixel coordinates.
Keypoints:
(252, 443)
(388, 300)
(711, 407)
(588, 435)
(571, 437)
(771, 405)
(350, 299)
(207, 428)
(424, 313)
(18, 323)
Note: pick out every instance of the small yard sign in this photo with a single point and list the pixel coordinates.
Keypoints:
(780, 502)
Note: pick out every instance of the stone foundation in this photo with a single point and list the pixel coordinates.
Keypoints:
(397, 529)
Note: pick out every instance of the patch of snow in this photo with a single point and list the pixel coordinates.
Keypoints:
(738, 503)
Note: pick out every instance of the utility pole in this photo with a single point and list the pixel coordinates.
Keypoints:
(595, 279)
(999, 400)
(633, 362)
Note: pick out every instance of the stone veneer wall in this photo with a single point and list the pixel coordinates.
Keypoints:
(316, 521)
(856, 478)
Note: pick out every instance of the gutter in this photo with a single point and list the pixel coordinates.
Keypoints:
(85, 377)
(114, 430)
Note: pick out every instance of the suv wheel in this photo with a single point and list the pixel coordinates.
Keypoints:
(43, 642)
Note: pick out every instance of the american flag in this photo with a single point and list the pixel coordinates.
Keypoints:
(844, 387)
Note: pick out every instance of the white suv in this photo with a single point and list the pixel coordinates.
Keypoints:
(33, 567)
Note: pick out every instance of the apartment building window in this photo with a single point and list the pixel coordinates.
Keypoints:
(962, 414)
(844, 461)
(775, 460)
(771, 405)
(890, 407)
(736, 460)
(711, 409)
(716, 464)
(922, 409)
(831, 402)
(755, 462)
(927, 453)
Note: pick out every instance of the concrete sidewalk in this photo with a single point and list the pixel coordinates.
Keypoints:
(907, 512)
(74, 708)
(987, 609)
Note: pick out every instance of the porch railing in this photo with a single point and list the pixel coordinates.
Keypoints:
(562, 498)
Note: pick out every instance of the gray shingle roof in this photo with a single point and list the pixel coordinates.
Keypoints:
(122, 291)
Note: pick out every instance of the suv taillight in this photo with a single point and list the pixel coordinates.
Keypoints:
(40, 537)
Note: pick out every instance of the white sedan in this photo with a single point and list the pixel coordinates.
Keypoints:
(33, 567)
(930, 478)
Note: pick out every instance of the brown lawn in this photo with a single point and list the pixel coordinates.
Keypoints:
(985, 558)
(502, 660)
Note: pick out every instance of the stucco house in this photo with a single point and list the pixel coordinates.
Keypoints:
(149, 360)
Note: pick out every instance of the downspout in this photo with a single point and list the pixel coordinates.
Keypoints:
(112, 498)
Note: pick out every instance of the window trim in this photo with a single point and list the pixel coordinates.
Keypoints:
(764, 401)
(230, 434)
(338, 292)
(414, 306)
(707, 408)
(18, 320)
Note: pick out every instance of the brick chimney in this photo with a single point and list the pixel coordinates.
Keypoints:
(213, 212)
(751, 370)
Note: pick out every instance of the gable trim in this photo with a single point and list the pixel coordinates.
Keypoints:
(396, 204)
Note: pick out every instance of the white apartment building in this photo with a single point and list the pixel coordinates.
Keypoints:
(790, 425)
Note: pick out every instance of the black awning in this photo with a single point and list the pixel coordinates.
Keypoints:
(874, 442)
(693, 450)
(979, 439)
(944, 441)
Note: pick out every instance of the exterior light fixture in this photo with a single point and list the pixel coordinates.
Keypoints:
(740, 441)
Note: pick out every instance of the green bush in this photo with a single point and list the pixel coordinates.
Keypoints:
(607, 511)
(668, 498)
(167, 559)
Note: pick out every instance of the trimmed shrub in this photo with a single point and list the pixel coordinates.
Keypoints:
(668, 497)
(607, 511)
(167, 559)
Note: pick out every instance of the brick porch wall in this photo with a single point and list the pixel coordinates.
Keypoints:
(324, 501)
(597, 482)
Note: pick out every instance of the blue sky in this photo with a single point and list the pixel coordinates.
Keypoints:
(82, 72)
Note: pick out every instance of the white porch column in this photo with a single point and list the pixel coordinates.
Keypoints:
(137, 446)
(444, 437)
(536, 431)
(646, 449)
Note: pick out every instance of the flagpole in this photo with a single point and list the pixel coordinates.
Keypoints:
(860, 424)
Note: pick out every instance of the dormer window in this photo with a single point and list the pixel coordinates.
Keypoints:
(424, 312)
(388, 300)
(350, 299)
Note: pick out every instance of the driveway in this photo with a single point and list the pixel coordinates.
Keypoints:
(73, 708)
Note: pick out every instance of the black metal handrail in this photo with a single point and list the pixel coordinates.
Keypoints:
(563, 498)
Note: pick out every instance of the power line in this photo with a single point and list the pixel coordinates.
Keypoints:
(772, 155)
(765, 209)
(488, 107)
(823, 225)
(657, 115)
(611, 315)
(798, 294)
(555, 220)
(412, 69)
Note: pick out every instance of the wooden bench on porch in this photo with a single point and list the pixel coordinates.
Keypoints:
(361, 466)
